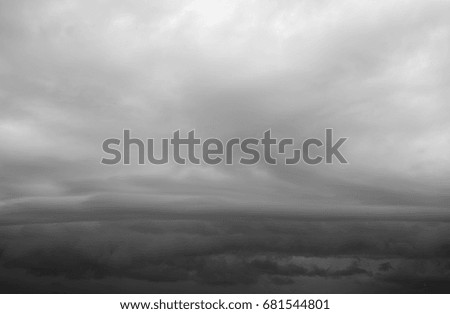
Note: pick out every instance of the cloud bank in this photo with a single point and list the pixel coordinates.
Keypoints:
(223, 253)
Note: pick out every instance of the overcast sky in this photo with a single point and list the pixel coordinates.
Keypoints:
(73, 73)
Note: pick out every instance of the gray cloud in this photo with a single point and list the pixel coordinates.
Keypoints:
(214, 252)
(75, 74)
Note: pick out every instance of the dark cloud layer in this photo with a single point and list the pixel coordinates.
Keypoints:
(144, 252)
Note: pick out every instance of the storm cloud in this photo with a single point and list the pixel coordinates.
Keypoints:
(153, 251)
(73, 74)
